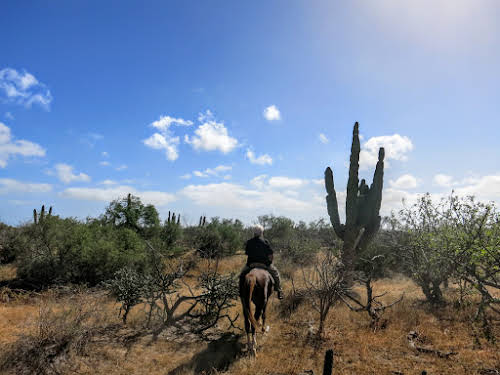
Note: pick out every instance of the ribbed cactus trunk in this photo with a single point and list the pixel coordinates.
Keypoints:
(362, 208)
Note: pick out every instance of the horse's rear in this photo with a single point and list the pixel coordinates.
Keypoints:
(257, 288)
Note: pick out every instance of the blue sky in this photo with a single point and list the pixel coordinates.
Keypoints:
(235, 108)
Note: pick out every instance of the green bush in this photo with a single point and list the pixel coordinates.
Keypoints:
(219, 238)
(66, 250)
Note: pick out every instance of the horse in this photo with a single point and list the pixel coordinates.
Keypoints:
(257, 287)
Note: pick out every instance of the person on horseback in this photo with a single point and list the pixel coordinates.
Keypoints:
(259, 252)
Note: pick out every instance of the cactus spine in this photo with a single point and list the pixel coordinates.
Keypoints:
(362, 207)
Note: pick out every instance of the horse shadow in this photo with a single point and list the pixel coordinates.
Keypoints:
(218, 355)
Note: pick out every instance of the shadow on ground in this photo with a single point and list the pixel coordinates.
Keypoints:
(218, 355)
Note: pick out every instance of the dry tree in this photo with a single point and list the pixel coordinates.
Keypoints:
(373, 306)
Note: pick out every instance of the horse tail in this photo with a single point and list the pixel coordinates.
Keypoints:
(252, 280)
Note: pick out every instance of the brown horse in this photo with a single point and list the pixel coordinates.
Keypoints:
(257, 287)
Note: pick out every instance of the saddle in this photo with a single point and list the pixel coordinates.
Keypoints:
(258, 265)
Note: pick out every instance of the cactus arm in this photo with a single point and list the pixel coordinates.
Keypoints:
(378, 182)
(353, 181)
(332, 205)
(35, 218)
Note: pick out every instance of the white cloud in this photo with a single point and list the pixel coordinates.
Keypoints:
(220, 168)
(406, 181)
(8, 185)
(396, 148)
(108, 194)
(443, 180)
(211, 136)
(9, 116)
(286, 182)
(10, 147)
(200, 174)
(165, 139)
(323, 138)
(23, 88)
(164, 142)
(234, 196)
(105, 154)
(261, 160)
(105, 163)
(108, 182)
(65, 173)
(259, 182)
(486, 188)
(186, 176)
(164, 122)
(121, 167)
(213, 171)
(319, 181)
(272, 113)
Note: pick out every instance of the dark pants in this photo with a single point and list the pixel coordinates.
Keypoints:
(271, 269)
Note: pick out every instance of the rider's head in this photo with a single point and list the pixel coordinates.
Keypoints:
(258, 230)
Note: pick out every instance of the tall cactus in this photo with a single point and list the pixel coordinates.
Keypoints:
(362, 207)
(39, 218)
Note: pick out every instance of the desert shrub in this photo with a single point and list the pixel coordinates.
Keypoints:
(300, 250)
(170, 234)
(219, 238)
(278, 230)
(127, 287)
(425, 247)
(66, 250)
(11, 241)
(295, 243)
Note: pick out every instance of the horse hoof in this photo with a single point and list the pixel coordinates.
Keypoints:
(265, 329)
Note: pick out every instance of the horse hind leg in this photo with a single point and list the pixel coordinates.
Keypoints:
(254, 345)
(265, 328)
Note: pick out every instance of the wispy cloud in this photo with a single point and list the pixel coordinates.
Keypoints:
(9, 185)
(272, 113)
(323, 138)
(65, 173)
(121, 167)
(212, 171)
(264, 159)
(406, 181)
(23, 88)
(107, 194)
(10, 147)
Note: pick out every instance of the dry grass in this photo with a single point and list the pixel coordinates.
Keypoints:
(288, 348)
(7, 272)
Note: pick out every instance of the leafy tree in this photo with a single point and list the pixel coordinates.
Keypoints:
(425, 246)
(131, 213)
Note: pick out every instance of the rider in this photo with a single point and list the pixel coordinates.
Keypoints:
(259, 250)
